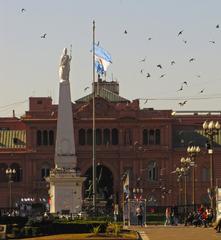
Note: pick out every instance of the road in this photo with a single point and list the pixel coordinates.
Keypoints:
(177, 233)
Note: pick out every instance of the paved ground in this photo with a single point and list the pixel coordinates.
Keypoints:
(177, 233)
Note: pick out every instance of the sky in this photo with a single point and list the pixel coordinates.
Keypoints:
(29, 63)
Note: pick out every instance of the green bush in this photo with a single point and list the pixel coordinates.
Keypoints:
(114, 228)
(96, 230)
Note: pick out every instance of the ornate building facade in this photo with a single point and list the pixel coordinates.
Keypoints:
(147, 142)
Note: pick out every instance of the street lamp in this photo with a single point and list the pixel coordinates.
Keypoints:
(137, 193)
(185, 166)
(193, 151)
(211, 130)
(9, 172)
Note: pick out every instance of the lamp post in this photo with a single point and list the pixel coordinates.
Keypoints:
(9, 172)
(137, 193)
(185, 166)
(193, 151)
(211, 130)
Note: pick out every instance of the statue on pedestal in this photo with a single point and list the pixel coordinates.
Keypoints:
(64, 66)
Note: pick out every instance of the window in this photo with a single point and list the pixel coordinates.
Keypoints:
(51, 137)
(145, 137)
(45, 137)
(151, 137)
(39, 138)
(106, 138)
(157, 136)
(98, 137)
(128, 136)
(152, 171)
(45, 171)
(17, 177)
(81, 137)
(89, 136)
(114, 136)
(205, 174)
(3, 176)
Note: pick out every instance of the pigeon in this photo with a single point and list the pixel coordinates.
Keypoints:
(201, 91)
(141, 71)
(180, 32)
(159, 66)
(125, 32)
(162, 75)
(217, 26)
(182, 103)
(148, 75)
(181, 88)
(98, 43)
(212, 42)
(145, 101)
(185, 41)
(85, 89)
(149, 38)
(44, 35)
(185, 83)
(23, 10)
(143, 60)
(192, 59)
(172, 62)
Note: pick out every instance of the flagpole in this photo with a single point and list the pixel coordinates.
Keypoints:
(94, 129)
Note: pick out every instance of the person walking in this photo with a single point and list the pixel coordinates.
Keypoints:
(139, 214)
(167, 214)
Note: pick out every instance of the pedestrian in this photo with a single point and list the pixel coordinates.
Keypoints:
(139, 214)
(167, 214)
(218, 225)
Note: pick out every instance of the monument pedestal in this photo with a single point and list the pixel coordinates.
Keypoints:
(65, 191)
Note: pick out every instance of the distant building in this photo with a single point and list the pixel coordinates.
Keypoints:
(147, 142)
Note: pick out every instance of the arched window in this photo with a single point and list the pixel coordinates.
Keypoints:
(157, 136)
(51, 137)
(45, 171)
(205, 174)
(3, 176)
(81, 137)
(152, 171)
(151, 137)
(45, 137)
(89, 136)
(17, 177)
(39, 138)
(98, 136)
(106, 136)
(114, 136)
(145, 137)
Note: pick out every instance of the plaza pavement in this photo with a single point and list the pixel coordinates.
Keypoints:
(176, 233)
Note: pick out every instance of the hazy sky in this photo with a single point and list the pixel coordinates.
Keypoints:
(29, 64)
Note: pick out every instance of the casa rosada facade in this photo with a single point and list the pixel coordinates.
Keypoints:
(146, 142)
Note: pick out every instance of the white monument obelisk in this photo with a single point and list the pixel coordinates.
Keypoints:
(65, 182)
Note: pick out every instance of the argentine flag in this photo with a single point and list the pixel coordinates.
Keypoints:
(102, 59)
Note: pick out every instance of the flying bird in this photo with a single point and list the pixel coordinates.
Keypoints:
(201, 91)
(185, 41)
(98, 43)
(159, 66)
(192, 59)
(23, 10)
(185, 82)
(162, 75)
(217, 26)
(44, 35)
(180, 32)
(143, 60)
(85, 89)
(212, 42)
(145, 101)
(148, 75)
(125, 31)
(198, 76)
(172, 62)
(149, 38)
(141, 71)
(182, 103)
(181, 89)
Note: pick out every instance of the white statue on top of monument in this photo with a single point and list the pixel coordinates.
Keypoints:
(64, 66)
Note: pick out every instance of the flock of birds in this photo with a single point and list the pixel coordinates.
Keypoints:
(159, 66)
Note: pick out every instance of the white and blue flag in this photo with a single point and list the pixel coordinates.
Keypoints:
(102, 59)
